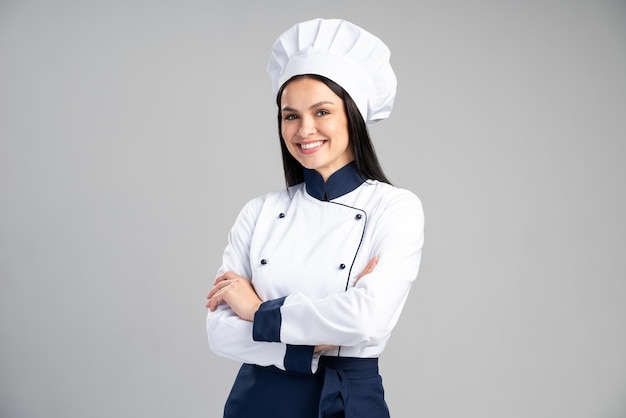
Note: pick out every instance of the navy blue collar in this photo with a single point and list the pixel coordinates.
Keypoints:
(341, 182)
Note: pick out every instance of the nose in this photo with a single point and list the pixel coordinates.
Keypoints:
(307, 127)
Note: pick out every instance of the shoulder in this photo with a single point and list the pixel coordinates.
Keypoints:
(397, 214)
(254, 206)
(388, 196)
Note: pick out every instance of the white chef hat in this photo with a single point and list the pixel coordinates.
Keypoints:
(343, 52)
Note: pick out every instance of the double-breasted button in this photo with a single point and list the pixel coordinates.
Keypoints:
(358, 216)
(342, 266)
(264, 261)
(281, 215)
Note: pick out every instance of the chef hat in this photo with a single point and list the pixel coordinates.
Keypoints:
(343, 52)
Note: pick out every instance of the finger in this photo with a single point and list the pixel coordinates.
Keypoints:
(372, 264)
(212, 294)
(229, 275)
(216, 299)
(369, 267)
(211, 304)
(218, 287)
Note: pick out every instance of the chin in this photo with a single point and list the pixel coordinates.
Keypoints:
(310, 165)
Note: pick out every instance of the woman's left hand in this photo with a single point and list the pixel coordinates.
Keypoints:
(237, 292)
(368, 269)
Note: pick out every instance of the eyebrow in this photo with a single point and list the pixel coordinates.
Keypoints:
(313, 106)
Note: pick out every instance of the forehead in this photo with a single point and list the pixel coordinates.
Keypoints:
(305, 91)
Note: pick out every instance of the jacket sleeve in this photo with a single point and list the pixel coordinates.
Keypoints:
(230, 336)
(366, 313)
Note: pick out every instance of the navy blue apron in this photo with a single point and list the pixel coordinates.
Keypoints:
(343, 387)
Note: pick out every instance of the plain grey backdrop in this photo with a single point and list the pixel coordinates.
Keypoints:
(132, 132)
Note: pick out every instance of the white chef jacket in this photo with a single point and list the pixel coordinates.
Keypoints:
(303, 248)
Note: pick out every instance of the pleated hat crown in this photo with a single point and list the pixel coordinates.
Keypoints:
(343, 52)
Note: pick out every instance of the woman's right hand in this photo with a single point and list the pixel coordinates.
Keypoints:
(237, 292)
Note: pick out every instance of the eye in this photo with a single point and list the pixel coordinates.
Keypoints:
(290, 116)
(322, 112)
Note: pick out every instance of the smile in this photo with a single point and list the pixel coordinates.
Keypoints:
(311, 145)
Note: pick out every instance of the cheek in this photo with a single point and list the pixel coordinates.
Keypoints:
(287, 131)
(290, 147)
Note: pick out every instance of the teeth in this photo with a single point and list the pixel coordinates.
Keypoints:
(311, 145)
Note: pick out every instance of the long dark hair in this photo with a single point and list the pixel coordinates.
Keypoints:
(365, 158)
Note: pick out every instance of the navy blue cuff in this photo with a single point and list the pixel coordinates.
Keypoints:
(267, 321)
(298, 358)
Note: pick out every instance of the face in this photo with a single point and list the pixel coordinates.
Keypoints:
(315, 126)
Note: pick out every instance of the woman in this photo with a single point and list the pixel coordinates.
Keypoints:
(314, 277)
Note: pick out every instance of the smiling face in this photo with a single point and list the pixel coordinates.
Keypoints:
(314, 126)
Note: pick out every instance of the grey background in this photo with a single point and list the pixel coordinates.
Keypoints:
(131, 133)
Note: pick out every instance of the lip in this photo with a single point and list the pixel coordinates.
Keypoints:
(310, 147)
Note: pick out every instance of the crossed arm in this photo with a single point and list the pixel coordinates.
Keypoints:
(238, 293)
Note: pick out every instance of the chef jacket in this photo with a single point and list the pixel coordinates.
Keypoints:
(303, 248)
